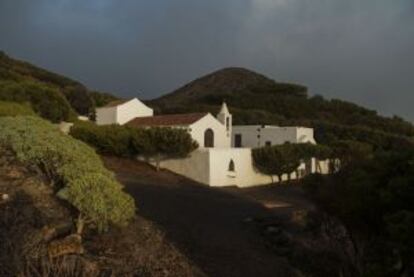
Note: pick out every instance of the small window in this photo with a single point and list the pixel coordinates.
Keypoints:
(268, 143)
(227, 123)
(231, 166)
(238, 140)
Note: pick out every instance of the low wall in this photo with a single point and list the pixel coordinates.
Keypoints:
(212, 167)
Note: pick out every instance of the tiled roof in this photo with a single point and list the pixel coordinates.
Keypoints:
(116, 103)
(166, 120)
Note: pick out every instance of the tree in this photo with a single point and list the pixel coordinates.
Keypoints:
(163, 143)
(286, 158)
(276, 160)
(347, 151)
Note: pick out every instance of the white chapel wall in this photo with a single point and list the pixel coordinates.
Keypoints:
(220, 136)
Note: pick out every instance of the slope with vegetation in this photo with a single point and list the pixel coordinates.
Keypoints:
(73, 168)
(51, 95)
(256, 99)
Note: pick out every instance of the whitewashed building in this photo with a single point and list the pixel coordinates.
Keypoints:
(254, 136)
(224, 157)
(122, 111)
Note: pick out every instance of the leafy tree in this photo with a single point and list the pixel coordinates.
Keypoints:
(286, 158)
(73, 168)
(276, 160)
(164, 143)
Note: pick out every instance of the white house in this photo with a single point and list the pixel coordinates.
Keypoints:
(122, 111)
(224, 157)
(254, 136)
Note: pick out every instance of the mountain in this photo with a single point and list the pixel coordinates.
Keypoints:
(53, 96)
(256, 99)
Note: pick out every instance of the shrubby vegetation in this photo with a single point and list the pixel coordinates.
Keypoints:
(372, 197)
(79, 98)
(286, 158)
(102, 98)
(157, 143)
(15, 109)
(74, 169)
(46, 101)
(22, 73)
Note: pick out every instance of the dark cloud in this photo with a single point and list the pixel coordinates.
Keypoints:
(354, 50)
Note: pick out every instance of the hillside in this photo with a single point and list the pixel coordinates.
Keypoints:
(256, 99)
(53, 96)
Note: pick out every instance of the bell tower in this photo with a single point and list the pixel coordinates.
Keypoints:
(225, 117)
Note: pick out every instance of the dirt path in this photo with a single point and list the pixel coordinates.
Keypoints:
(208, 224)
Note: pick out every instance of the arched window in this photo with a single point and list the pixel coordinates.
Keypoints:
(209, 138)
(232, 168)
(227, 123)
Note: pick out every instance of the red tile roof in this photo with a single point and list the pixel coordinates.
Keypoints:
(166, 120)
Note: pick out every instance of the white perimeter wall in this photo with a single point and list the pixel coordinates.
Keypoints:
(221, 139)
(195, 167)
(211, 167)
(276, 135)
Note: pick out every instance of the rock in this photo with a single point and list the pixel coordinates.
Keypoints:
(5, 197)
(272, 230)
(299, 217)
(72, 244)
(248, 220)
(14, 173)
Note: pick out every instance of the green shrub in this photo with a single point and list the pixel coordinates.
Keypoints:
(129, 142)
(73, 167)
(48, 102)
(109, 140)
(14, 109)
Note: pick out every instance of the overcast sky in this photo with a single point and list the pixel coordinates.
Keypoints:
(357, 50)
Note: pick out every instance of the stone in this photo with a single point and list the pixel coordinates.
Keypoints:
(71, 244)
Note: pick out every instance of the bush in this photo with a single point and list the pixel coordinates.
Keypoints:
(129, 142)
(75, 170)
(14, 109)
(110, 140)
(48, 102)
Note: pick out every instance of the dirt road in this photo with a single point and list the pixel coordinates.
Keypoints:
(209, 224)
